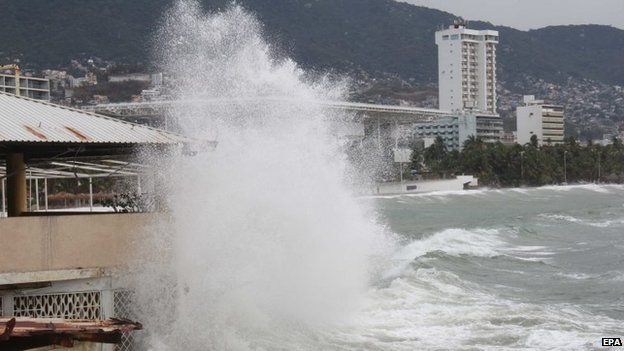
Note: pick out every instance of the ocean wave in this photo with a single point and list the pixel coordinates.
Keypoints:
(560, 217)
(453, 241)
(436, 194)
(599, 188)
(591, 223)
(577, 276)
(427, 305)
(614, 276)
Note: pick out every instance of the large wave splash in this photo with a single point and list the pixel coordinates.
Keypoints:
(264, 240)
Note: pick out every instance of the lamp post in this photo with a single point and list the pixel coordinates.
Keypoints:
(565, 167)
(599, 157)
(521, 166)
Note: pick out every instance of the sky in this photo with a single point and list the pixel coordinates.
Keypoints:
(532, 14)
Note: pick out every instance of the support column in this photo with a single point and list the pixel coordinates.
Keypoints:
(45, 193)
(37, 193)
(16, 184)
(90, 194)
(3, 181)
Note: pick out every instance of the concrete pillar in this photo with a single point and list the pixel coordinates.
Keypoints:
(16, 184)
(90, 194)
(45, 193)
(3, 181)
(37, 193)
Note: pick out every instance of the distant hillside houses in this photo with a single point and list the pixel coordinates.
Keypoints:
(153, 79)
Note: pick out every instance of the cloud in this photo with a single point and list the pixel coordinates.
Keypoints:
(531, 14)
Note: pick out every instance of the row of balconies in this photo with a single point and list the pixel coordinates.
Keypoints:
(554, 114)
(23, 89)
(549, 125)
(552, 120)
(553, 132)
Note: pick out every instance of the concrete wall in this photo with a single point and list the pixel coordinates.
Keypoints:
(425, 186)
(29, 244)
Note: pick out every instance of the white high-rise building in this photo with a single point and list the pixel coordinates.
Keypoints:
(545, 121)
(467, 68)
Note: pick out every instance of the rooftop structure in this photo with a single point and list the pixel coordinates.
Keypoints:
(39, 135)
(467, 68)
(25, 120)
(545, 121)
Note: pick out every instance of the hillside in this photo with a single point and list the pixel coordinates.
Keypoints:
(375, 36)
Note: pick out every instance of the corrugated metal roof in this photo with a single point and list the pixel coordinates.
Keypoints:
(28, 120)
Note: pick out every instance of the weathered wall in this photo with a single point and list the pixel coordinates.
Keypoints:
(30, 244)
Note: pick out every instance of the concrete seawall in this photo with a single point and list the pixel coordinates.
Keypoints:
(47, 243)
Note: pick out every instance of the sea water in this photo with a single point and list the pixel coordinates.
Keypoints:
(267, 247)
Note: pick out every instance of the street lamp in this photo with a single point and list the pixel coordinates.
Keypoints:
(565, 167)
(599, 157)
(522, 166)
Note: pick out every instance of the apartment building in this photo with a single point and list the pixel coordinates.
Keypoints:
(467, 68)
(546, 121)
(34, 88)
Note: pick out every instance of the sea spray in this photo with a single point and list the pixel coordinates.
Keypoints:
(264, 241)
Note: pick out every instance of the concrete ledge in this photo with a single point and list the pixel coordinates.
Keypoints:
(50, 276)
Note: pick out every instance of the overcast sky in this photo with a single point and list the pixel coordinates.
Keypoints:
(530, 14)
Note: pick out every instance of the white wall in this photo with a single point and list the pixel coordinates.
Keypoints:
(529, 123)
(449, 71)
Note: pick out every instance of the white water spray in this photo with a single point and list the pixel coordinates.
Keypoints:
(266, 242)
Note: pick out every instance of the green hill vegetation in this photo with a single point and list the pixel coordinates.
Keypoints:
(374, 36)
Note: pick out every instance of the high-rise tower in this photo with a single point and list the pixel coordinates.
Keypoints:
(467, 68)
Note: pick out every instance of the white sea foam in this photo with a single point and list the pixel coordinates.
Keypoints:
(433, 194)
(591, 223)
(455, 241)
(426, 307)
(577, 276)
(599, 188)
(265, 247)
(266, 240)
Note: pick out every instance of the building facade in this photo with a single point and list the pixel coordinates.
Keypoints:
(545, 121)
(467, 68)
(489, 127)
(454, 130)
(34, 88)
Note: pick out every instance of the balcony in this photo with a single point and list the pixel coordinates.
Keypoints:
(553, 120)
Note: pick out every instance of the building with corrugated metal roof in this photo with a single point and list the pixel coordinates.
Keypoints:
(63, 264)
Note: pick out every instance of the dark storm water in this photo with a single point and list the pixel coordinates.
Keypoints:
(500, 269)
